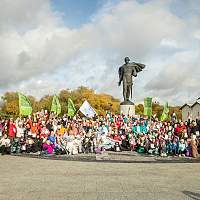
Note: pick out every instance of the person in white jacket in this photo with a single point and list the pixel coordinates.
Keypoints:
(5, 145)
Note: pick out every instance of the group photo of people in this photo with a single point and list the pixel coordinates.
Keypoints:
(99, 99)
(45, 133)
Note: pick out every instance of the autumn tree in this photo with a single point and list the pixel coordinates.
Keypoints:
(63, 97)
(45, 103)
(139, 109)
(157, 109)
(34, 103)
(100, 102)
(11, 104)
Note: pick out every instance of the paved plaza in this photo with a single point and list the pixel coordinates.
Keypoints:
(31, 178)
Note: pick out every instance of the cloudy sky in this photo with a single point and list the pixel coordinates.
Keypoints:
(49, 45)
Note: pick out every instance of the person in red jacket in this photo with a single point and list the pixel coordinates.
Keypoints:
(11, 129)
(180, 129)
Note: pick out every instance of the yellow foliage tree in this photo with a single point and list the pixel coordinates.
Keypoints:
(11, 104)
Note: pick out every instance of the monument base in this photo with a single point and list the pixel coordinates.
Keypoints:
(127, 109)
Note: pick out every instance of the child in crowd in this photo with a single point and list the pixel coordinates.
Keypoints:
(182, 148)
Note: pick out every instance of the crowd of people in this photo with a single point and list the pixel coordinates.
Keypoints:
(45, 133)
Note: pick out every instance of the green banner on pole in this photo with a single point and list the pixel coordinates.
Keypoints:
(71, 110)
(165, 113)
(25, 107)
(55, 106)
(148, 106)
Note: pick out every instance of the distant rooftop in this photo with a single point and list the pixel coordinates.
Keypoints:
(191, 104)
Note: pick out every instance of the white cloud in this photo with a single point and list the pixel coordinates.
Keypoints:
(40, 55)
(197, 34)
(178, 77)
(166, 42)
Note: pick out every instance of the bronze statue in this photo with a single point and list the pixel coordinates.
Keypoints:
(126, 71)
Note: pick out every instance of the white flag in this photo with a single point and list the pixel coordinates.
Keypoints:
(87, 110)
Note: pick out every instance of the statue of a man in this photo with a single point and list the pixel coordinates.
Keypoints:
(126, 71)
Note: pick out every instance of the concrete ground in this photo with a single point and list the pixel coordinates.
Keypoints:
(32, 178)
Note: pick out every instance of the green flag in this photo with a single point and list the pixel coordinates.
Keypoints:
(71, 108)
(25, 108)
(55, 106)
(165, 113)
(148, 106)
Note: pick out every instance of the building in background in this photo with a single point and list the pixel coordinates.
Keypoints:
(191, 110)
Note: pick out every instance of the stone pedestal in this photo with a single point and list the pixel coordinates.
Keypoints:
(127, 108)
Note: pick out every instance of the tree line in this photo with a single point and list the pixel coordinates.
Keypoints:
(100, 102)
